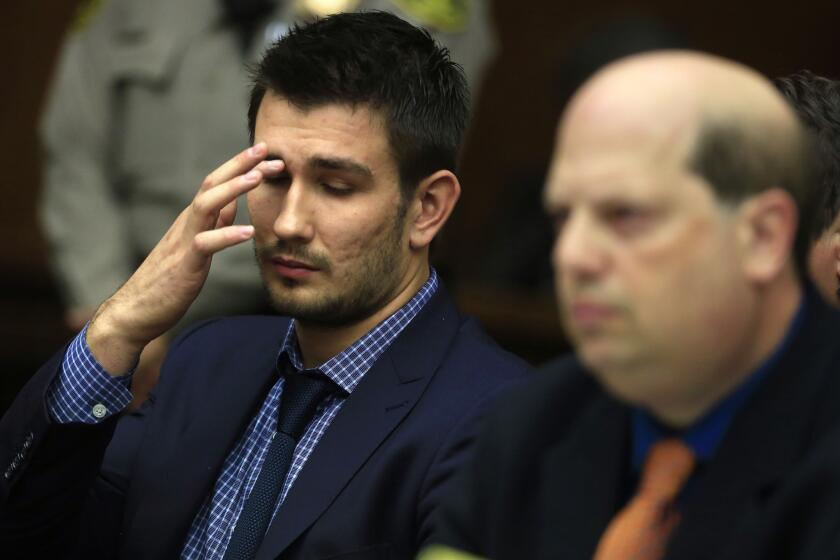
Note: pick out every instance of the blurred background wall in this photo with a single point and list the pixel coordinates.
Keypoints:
(494, 253)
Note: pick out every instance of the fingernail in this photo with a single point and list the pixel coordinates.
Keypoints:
(252, 175)
(246, 231)
(257, 149)
(274, 165)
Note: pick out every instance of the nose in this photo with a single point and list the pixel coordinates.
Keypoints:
(294, 218)
(579, 249)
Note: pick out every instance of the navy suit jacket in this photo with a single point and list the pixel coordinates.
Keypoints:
(552, 467)
(130, 488)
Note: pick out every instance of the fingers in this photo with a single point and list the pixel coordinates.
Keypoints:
(209, 242)
(239, 164)
(272, 167)
(227, 215)
(268, 169)
(207, 205)
(214, 207)
(170, 278)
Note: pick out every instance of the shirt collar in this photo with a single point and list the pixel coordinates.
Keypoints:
(348, 367)
(705, 435)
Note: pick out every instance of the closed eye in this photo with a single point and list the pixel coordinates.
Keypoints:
(336, 189)
(281, 180)
(627, 219)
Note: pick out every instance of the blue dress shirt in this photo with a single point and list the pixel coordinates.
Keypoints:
(705, 435)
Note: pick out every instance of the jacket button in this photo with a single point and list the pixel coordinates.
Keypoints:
(99, 411)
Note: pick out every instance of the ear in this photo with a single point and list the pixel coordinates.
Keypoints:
(824, 263)
(831, 241)
(767, 227)
(431, 207)
(834, 246)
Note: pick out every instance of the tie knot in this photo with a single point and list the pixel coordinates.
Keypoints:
(300, 397)
(667, 468)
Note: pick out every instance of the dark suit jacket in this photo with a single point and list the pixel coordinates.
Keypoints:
(367, 491)
(552, 467)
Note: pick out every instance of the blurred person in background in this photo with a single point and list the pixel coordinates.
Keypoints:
(330, 431)
(144, 101)
(698, 417)
(817, 102)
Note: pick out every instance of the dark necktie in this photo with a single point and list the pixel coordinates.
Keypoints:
(301, 396)
(640, 531)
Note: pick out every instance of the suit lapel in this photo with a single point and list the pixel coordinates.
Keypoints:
(584, 482)
(385, 396)
(176, 473)
(765, 440)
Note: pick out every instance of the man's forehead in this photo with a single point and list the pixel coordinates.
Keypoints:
(603, 142)
(275, 106)
(606, 185)
(635, 170)
(634, 133)
(330, 132)
(615, 116)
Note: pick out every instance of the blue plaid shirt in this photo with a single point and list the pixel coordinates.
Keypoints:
(84, 392)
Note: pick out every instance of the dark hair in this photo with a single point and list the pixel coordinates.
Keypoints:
(374, 59)
(817, 102)
(740, 159)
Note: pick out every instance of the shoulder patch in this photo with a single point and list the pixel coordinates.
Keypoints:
(86, 12)
(321, 8)
(444, 15)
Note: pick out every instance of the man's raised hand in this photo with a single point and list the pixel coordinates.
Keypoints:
(164, 286)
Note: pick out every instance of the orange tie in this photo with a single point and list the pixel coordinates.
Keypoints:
(640, 531)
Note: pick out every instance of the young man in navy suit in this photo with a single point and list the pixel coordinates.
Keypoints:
(356, 121)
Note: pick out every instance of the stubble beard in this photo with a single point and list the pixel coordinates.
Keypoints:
(366, 289)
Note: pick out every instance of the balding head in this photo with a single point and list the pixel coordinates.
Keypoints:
(674, 187)
(727, 121)
(677, 88)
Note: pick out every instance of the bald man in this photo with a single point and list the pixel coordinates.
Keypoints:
(705, 379)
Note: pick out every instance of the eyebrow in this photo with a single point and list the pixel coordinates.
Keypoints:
(331, 164)
(339, 164)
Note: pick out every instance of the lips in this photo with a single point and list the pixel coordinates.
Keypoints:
(292, 263)
(291, 268)
(586, 314)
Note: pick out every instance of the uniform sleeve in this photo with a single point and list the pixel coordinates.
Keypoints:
(80, 212)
